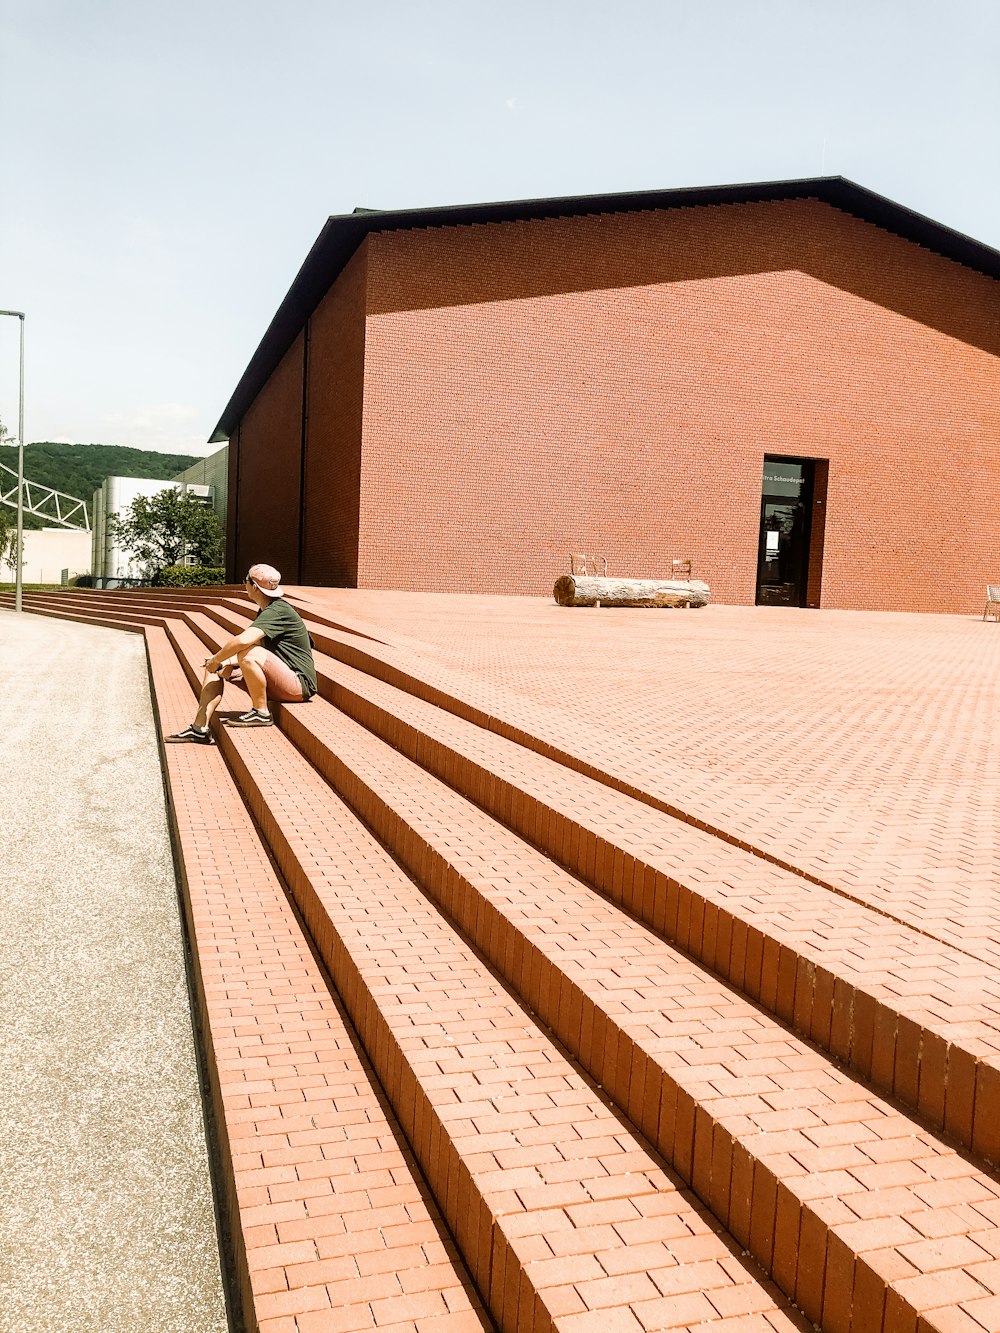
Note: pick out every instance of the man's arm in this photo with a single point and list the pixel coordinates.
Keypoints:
(250, 636)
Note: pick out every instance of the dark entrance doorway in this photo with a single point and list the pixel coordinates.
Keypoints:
(785, 529)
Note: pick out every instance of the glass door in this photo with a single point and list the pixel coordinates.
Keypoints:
(785, 511)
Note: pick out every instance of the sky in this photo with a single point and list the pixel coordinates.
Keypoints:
(166, 167)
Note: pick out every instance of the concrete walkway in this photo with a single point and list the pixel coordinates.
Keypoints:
(106, 1218)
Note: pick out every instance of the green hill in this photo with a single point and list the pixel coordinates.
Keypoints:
(78, 469)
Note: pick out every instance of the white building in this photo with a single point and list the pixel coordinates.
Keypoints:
(213, 472)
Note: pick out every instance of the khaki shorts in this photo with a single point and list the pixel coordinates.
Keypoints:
(283, 685)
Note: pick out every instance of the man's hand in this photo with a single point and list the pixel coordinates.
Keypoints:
(211, 664)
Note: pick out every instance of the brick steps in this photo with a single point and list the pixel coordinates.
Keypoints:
(917, 1017)
(333, 642)
(128, 597)
(319, 615)
(82, 601)
(834, 1192)
(114, 610)
(546, 1189)
(132, 620)
(793, 1155)
(860, 1213)
(331, 1222)
(486, 1099)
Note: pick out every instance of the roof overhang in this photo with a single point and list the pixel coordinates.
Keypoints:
(341, 237)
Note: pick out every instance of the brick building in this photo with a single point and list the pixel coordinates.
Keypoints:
(796, 384)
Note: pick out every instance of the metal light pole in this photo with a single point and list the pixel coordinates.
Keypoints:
(18, 550)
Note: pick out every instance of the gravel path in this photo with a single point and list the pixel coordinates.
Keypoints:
(106, 1220)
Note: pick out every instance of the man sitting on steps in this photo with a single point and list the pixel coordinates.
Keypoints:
(272, 657)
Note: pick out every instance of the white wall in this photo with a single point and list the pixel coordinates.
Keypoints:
(47, 552)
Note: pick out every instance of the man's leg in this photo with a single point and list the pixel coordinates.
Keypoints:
(251, 664)
(265, 676)
(212, 686)
(211, 693)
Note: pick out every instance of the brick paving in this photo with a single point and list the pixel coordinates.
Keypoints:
(857, 747)
(590, 828)
(903, 1009)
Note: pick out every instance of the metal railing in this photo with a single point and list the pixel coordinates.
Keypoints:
(68, 508)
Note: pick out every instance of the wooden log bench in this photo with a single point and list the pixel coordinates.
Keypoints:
(590, 590)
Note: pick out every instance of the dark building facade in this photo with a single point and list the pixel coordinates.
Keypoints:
(797, 385)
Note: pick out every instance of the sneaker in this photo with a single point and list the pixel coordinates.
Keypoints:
(255, 718)
(191, 735)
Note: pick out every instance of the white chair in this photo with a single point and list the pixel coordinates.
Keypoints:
(586, 565)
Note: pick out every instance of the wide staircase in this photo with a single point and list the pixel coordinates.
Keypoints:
(496, 1044)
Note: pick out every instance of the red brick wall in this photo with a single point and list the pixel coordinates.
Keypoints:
(334, 400)
(269, 469)
(632, 418)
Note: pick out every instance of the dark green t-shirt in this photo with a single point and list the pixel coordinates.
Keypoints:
(286, 636)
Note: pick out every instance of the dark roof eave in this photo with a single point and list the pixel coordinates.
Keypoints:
(342, 235)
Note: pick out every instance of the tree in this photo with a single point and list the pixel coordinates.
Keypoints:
(8, 520)
(8, 536)
(161, 529)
